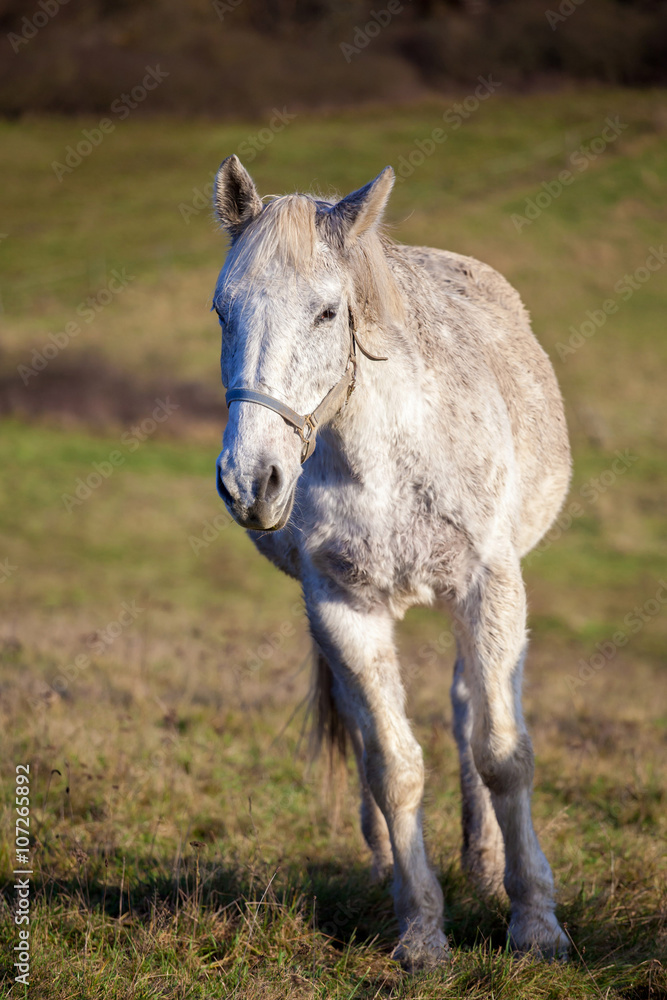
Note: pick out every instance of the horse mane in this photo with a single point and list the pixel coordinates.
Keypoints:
(291, 228)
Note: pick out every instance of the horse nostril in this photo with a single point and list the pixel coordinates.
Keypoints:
(275, 479)
(223, 492)
(271, 484)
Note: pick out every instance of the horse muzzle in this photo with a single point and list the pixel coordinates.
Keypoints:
(265, 506)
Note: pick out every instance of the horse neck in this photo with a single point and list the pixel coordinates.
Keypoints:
(385, 402)
(389, 396)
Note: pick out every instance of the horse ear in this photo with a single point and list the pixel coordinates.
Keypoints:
(362, 210)
(235, 198)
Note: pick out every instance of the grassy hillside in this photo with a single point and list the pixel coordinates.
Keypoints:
(134, 205)
(184, 847)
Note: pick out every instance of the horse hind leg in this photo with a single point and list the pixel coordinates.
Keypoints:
(331, 714)
(483, 851)
(373, 823)
(494, 641)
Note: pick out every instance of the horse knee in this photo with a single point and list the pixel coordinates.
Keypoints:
(397, 778)
(504, 772)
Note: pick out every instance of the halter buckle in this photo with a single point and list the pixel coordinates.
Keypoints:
(311, 426)
(307, 434)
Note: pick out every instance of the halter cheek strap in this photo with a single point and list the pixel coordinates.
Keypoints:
(306, 426)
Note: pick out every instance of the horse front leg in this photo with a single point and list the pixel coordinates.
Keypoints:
(359, 648)
(483, 852)
(494, 642)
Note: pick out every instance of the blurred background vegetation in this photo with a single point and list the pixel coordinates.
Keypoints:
(231, 57)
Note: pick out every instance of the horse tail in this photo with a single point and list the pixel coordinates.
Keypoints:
(329, 734)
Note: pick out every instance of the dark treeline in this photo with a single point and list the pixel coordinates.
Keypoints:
(239, 57)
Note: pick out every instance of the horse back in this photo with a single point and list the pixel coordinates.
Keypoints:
(485, 319)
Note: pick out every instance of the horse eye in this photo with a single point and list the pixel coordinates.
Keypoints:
(327, 314)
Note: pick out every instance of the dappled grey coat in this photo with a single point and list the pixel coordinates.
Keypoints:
(446, 464)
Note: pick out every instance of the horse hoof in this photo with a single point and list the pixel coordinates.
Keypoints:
(418, 951)
(539, 934)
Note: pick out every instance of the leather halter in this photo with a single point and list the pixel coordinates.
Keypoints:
(306, 426)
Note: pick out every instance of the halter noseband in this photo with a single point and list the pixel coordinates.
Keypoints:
(306, 426)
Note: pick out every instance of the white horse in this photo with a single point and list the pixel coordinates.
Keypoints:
(442, 458)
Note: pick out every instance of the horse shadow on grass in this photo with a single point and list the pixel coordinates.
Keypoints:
(348, 906)
(336, 898)
(232, 914)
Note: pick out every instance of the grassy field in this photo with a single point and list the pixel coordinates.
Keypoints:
(154, 667)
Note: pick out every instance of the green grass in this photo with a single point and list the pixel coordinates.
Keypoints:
(120, 209)
(182, 730)
(188, 848)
